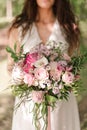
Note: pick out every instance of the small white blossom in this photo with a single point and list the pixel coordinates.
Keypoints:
(42, 84)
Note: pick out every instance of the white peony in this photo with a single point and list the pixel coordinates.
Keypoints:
(41, 62)
(17, 75)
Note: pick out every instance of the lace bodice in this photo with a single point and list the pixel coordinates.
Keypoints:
(32, 39)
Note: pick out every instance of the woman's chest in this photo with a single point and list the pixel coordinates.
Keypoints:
(48, 36)
(44, 31)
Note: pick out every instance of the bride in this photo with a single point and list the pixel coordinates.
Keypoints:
(42, 21)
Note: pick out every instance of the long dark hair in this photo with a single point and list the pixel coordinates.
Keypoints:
(63, 12)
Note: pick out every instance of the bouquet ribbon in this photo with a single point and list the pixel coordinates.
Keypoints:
(49, 118)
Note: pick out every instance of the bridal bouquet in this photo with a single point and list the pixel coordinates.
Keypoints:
(45, 76)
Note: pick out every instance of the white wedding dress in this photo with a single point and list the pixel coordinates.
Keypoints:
(65, 116)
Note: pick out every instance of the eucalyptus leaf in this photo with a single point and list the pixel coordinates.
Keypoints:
(8, 49)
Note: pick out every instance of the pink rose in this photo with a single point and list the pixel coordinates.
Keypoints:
(60, 66)
(55, 74)
(68, 78)
(55, 90)
(37, 96)
(28, 79)
(41, 73)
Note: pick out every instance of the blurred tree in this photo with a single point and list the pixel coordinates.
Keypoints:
(5, 7)
(17, 6)
(80, 8)
(2, 8)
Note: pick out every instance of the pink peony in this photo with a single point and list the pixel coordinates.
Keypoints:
(55, 71)
(68, 78)
(41, 73)
(27, 67)
(37, 96)
(55, 74)
(28, 79)
(29, 60)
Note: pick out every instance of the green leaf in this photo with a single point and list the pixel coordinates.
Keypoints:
(51, 99)
(44, 109)
(9, 49)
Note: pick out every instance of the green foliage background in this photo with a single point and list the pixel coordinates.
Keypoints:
(16, 4)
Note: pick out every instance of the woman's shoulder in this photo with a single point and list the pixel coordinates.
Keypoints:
(13, 33)
(14, 38)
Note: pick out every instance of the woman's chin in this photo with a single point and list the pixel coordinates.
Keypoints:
(45, 4)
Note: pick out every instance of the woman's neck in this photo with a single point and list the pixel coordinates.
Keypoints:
(45, 15)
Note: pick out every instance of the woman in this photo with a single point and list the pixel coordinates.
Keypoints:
(42, 21)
